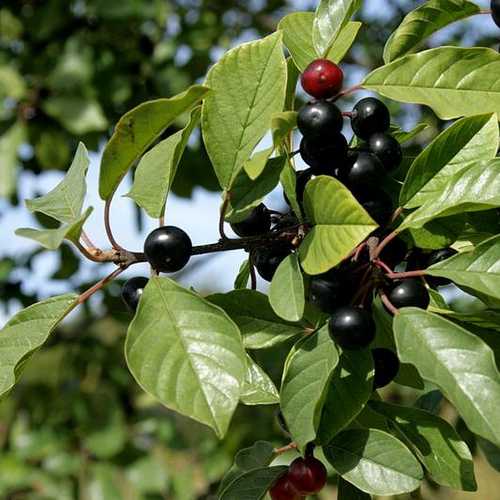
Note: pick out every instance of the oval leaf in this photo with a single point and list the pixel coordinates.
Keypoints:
(453, 81)
(187, 353)
(340, 224)
(258, 388)
(457, 361)
(422, 22)
(374, 461)
(308, 369)
(248, 86)
(286, 294)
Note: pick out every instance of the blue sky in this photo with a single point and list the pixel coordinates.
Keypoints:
(198, 216)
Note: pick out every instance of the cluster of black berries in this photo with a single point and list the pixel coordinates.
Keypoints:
(495, 11)
(305, 476)
(325, 149)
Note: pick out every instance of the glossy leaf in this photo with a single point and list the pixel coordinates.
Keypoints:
(258, 388)
(286, 294)
(248, 87)
(348, 491)
(468, 140)
(340, 224)
(187, 353)
(137, 130)
(374, 461)
(436, 443)
(307, 373)
(241, 280)
(254, 484)
(64, 203)
(453, 81)
(288, 180)
(330, 17)
(422, 22)
(51, 239)
(26, 332)
(260, 326)
(297, 36)
(9, 145)
(478, 270)
(457, 361)
(472, 189)
(157, 168)
(350, 388)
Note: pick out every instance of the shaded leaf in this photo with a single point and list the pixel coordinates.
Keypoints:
(10, 142)
(348, 491)
(241, 281)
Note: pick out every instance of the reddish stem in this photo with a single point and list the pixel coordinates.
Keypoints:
(408, 274)
(388, 303)
(100, 284)
(383, 244)
(383, 265)
(396, 214)
(107, 225)
(347, 91)
(284, 449)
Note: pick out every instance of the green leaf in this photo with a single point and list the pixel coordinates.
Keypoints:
(26, 332)
(260, 326)
(453, 81)
(439, 233)
(467, 140)
(51, 239)
(422, 22)
(187, 353)
(350, 388)
(10, 142)
(457, 361)
(257, 456)
(241, 280)
(331, 16)
(478, 270)
(258, 388)
(491, 452)
(288, 180)
(308, 369)
(472, 189)
(65, 202)
(402, 136)
(11, 83)
(436, 444)
(245, 193)
(340, 224)
(374, 461)
(292, 78)
(137, 130)
(78, 115)
(254, 484)
(248, 87)
(297, 36)
(282, 124)
(348, 491)
(286, 293)
(157, 168)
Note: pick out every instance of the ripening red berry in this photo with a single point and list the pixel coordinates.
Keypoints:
(283, 489)
(307, 475)
(322, 79)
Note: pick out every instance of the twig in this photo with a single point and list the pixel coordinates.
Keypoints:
(388, 303)
(89, 253)
(223, 210)
(107, 225)
(358, 250)
(87, 240)
(383, 244)
(396, 214)
(100, 284)
(347, 91)
(383, 265)
(284, 449)
(408, 274)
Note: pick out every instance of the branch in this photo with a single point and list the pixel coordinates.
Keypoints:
(383, 244)
(100, 284)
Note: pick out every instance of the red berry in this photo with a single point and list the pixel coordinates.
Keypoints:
(283, 490)
(307, 475)
(322, 78)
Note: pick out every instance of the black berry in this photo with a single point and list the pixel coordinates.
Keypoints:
(434, 258)
(388, 150)
(319, 119)
(258, 222)
(394, 253)
(322, 154)
(378, 205)
(168, 249)
(327, 293)
(409, 293)
(322, 79)
(267, 260)
(132, 291)
(307, 475)
(369, 117)
(495, 11)
(386, 365)
(365, 172)
(352, 327)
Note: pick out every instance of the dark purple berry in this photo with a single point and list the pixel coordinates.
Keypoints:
(369, 117)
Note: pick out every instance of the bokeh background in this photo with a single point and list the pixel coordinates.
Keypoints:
(77, 426)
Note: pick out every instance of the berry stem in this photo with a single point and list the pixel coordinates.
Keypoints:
(347, 91)
(486, 11)
(100, 284)
(223, 210)
(388, 303)
(383, 244)
(408, 274)
(383, 265)
(107, 225)
(347, 114)
(87, 240)
(284, 449)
